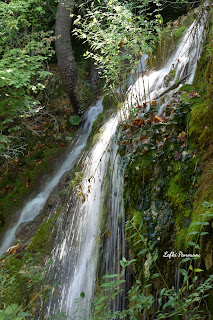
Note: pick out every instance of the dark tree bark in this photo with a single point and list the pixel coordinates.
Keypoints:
(94, 75)
(65, 54)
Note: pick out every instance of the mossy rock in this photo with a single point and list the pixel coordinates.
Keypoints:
(41, 241)
(201, 133)
(169, 37)
(20, 273)
(24, 181)
(88, 96)
(137, 175)
(98, 123)
(187, 87)
(110, 100)
(179, 32)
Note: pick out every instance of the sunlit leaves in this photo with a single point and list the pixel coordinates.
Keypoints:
(25, 45)
(116, 37)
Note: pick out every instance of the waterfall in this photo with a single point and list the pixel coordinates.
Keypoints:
(182, 63)
(114, 244)
(75, 255)
(34, 207)
(76, 251)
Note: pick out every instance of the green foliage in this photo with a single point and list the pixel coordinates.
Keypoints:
(75, 120)
(179, 32)
(170, 303)
(200, 130)
(117, 37)
(25, 48)
(22, 283)
(41, 240)
(19, 275)
(12, 199)
(161, 171)
(110, 101)
(110, 289)
(13, 311)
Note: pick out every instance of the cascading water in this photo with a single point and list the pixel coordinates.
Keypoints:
(75, 254)
(182, 64)
(35, 206)
(114, 242)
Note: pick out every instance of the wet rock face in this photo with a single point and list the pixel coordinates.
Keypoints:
(26, 231)
(208, 257)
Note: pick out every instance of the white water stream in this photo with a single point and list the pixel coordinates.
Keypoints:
(182, 64)
(75, 255)
(35, 206)
(76, 251)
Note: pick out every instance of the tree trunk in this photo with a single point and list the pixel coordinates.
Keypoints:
(94, 75)
(65, 55)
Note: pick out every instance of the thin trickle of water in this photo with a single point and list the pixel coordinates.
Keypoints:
(177, 278)
(35, 206)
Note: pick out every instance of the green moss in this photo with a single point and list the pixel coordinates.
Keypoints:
(181, 239)
(97, 125)
(168, 39)
(181, 190)
(138, 215)
(199, 126)
(201, 132)
(176, 193)
(137, 175)
(179, 32)
(19, 273)
(204, 195)
(88, 96)
(76, 179)
(105, 203)
(41, 241)
(178, 198)
(13, 199)
(110, 100)
(187, 87)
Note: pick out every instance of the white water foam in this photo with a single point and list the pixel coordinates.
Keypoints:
(75, 254)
